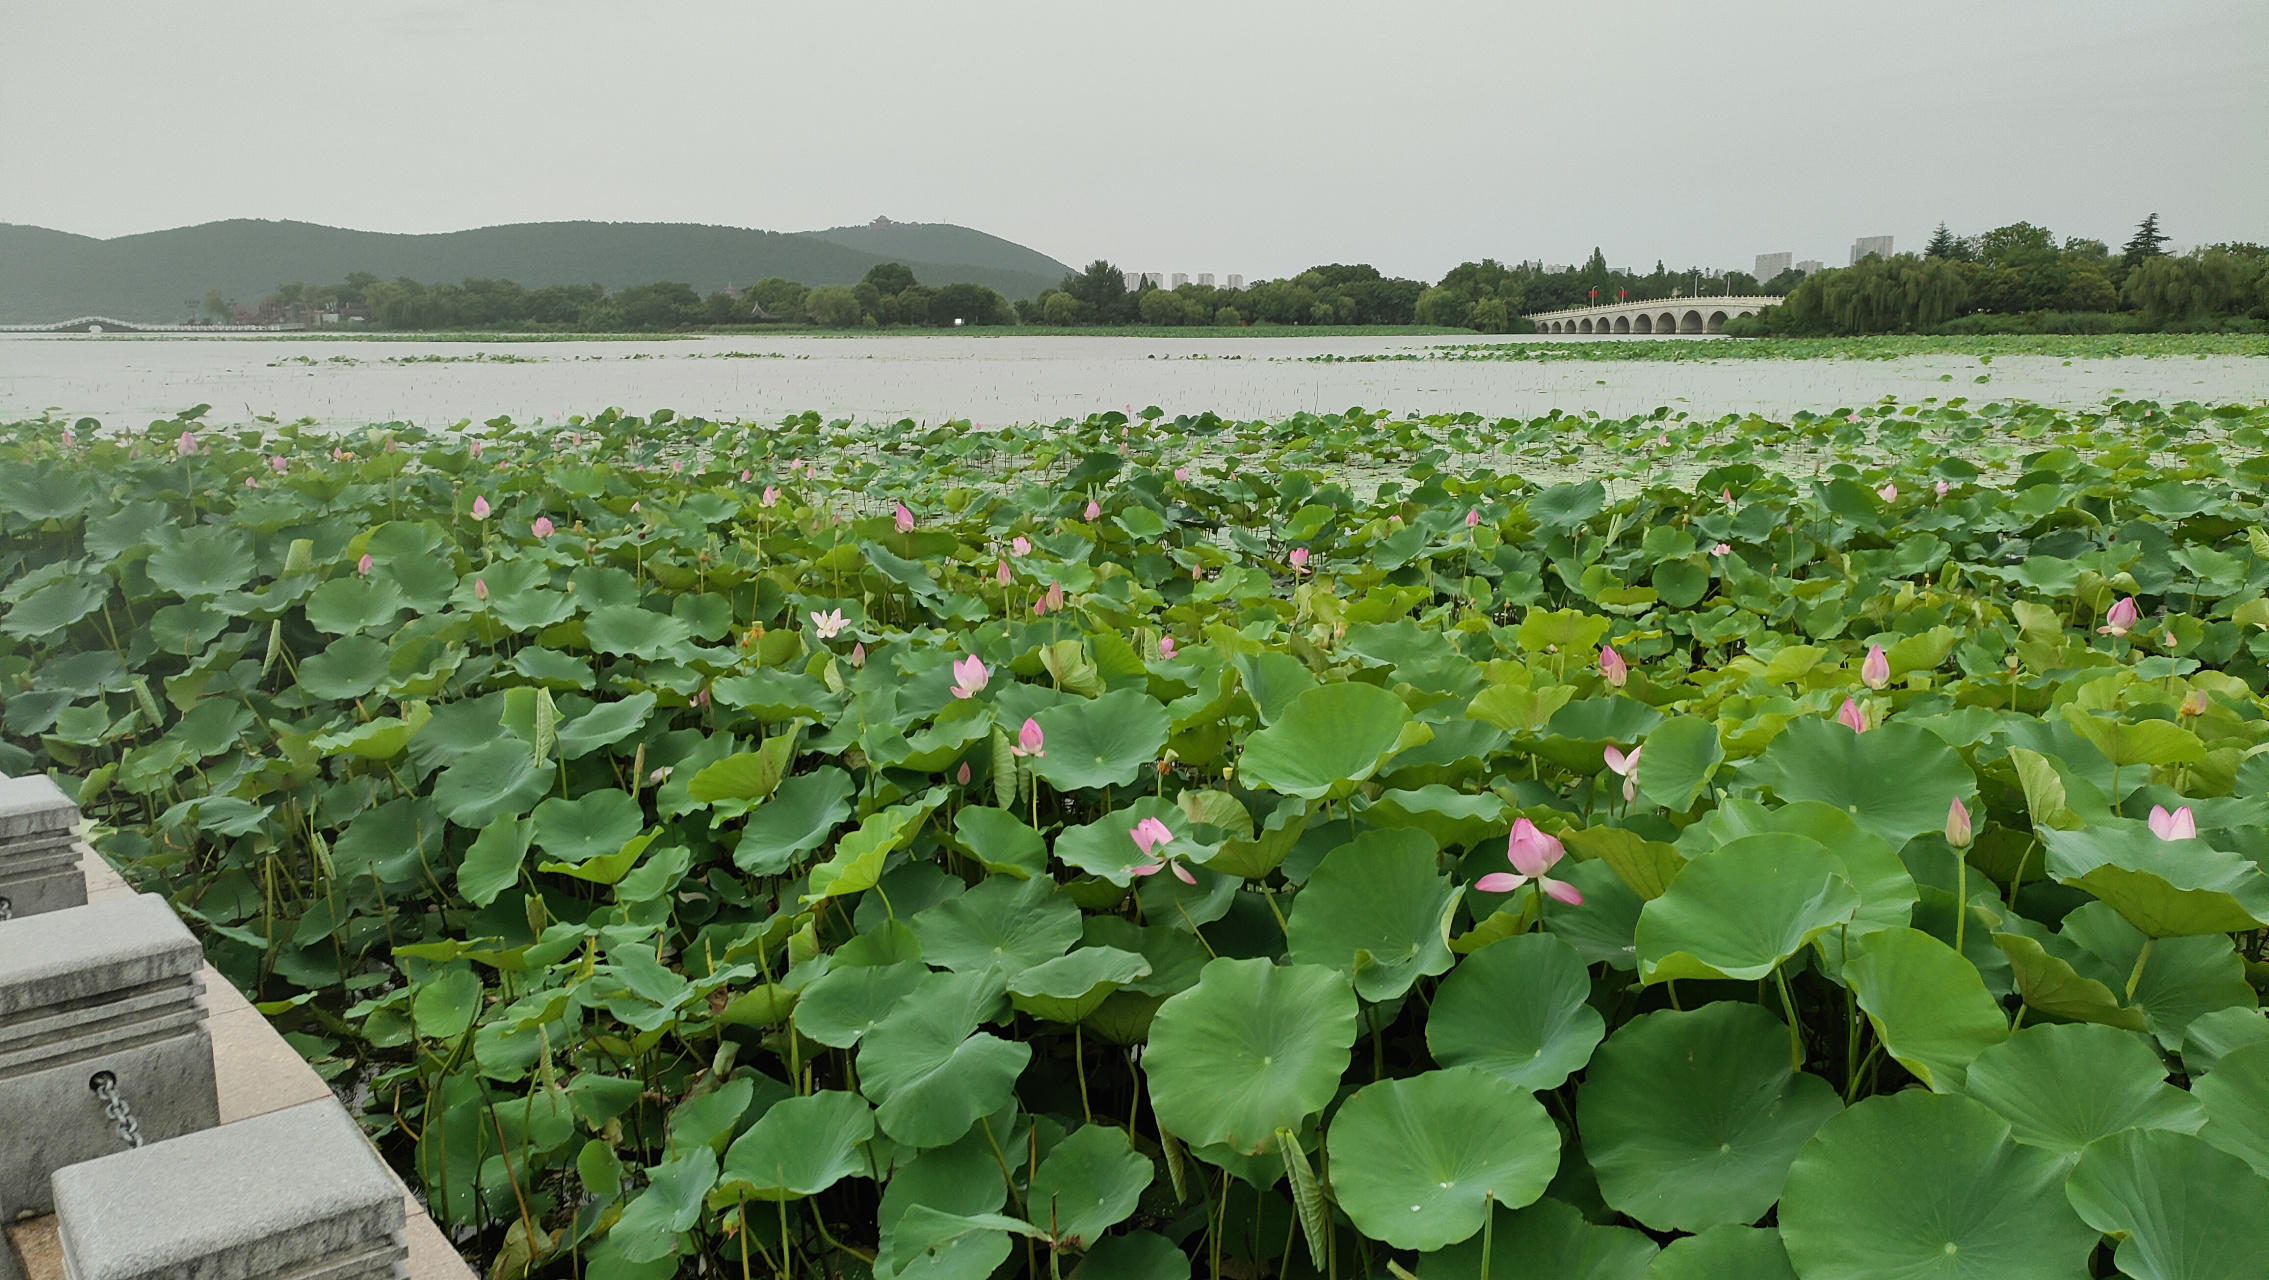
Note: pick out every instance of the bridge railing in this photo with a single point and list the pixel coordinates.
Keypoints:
(1704, 304)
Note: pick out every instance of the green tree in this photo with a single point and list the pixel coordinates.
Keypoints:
(968, 303)
(889, 277)
(1943, 244)
(216, 306)
(2147, 242)
(1058, 308)
(1102, 289)
(831, 306)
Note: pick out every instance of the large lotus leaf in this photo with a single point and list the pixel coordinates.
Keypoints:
(42, 491)
(1742, 910)
(397, 842)
(344, 606)
(1725, 1253)
(929, 1245)
(1069, 987)
(1252, 1048)
(381, 738)
(2050, 985)
(458, 729)
(1001, 842)
(861, 853)
(1377, 909)
(595, 823)
(1272, 680)
(1887, 892)
(1926, 1003)
(1517, 1008)
(1923, 1184)
(773, 696)
(2063, 1087)
(795, 821)
(1101, 742)
(493, 863)
(930, 1072)
(348, 668)
(2216, 1035)
(962, 1177)
(1454, 819)
(204, 561)
(552, 669)
(1329, 739)
(1680, 756)
(2166, 888)
(1646, 867)
(1134, 1255)
(1088, 1184)
(848, 1001)
(1599, 721)
(490, 781)
(2180, 1209)
(1005, 925)
(626, 628)
(1176, 958)
(1106, 847)
(1548, 1240)
(648, 1229)
(1690, 1119)
(800, 1147)
(2179, 981)
(1603, 929)
(1417, 1162)
(2235, 1096)
(49, 609)
(603, 725)
(1897, 780)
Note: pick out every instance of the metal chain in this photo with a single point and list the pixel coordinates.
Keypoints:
(121, 1116)
(7, 909)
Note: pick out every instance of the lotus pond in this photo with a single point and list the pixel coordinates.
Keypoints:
(1145, 849)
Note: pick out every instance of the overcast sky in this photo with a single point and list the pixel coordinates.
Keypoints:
(1216, 135)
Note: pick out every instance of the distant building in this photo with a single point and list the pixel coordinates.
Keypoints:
(1557, 269)
(1236, 282)
(1771, 264)
(1155, 279)
(1181, 278)
(1205, 278)
(1879, 245)
(881, 221)
(1810, 265)
(1133, 280)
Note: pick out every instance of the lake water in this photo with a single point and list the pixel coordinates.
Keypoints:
(126, 380)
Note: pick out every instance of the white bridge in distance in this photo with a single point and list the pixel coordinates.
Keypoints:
(1661, 316)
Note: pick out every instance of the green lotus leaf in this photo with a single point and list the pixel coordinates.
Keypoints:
(929, 1245)
(1896, 780)
(1004, 926)
(1454, 819)
(1887, 892)
(627, 628)
(1548, 1240)
(860, 854)
(2063, 1087)
(2050, 985)
(2235, 1096)
(553, 669)
(1691, 1119)
(1680, 756)
(773, 696)
(1603, 929)
(606, 868)
(1106, 847)
(1926, 1003)
(204, 561)
(1378, 910)
(2214, 1036)
(346, 606)
(1088, 1184)
(58, 605)
(649, 1226)
(1418, 1162)
(603, 725)
(381, 738)
(1329, 739)
(490, 781)
(1644, 866)
(1517, 1008)
(1069, 987)
(444, 1007)
(795, 821)
(595, 823)
(1741, 911)
(492, 864)
(1101, 742)
(800, 1147)
(1923, 1184)
(42, 491)
(1134, 1255)
(1252, 1048)
(348, 668)
(1272, 680)
(2180, 1209)
(1001, 842)
(1176, 958)
(1724, 1253)
(928, 1069)
(2166, 888)
(2180, 980)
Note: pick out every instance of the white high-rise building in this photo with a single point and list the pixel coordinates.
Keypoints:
(1205, 278)
(1133, 280)
(1810, 265)
(1879, 245)
(1771, 264)
(1181, 278)
(1155, 279)
(1236, 282)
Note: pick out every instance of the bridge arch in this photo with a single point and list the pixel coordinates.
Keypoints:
(1691, 322)
(1622, 324)
(1642, 323)
(1717, 322)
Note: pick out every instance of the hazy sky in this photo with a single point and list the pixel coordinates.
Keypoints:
(1222, 135)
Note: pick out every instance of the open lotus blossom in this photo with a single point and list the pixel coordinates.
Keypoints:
(1722, 549)
(1001, 574)
(362, 566)
(827, 624)
(2179, 825)
(1958, 832)
(1151, 835)
(1299, 559)
(1626, 767)
(1851, 717)
(1029, 739)
(2193, 703)
(480, 507)
(1888, 493)
(961, 775)
(543, 527)
(1875, 671)
(905, 519)
(969, 676)
(1094, 509)
(2119, 618)
(1612, 667)
(1166, 647)
(279, 464)
(186, 445)
(1472, 517)
(770, 495)
(858, 654)
(1182, 474)
(480, 588)
(1532, 853)
(1020, 546)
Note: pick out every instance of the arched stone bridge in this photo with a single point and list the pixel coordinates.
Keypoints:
(104, 324)
(1663, 315)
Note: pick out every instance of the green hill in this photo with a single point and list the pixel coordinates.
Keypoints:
(164, 275)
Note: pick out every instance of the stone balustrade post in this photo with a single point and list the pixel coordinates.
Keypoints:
(39, 848)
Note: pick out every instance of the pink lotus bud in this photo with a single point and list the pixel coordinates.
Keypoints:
(1055, 596)
(858, 654)
(1299, 559)
(1875, 672)
(1019, 546)
(1726, 496)
(1182, 474)
(1722, 549)
(1851, 717)
(1958, 832)
(475, 444)
(480, 588)
(1612, 667)
(1530, 850)
(543, 527)
(362, 566)
(2194, 703)
(2119, 618)
(701, 699)
(279, 464)
(744, 475)
(1029, 739)
(1001, 574)
(1094, 509)
(1166, 647)
(961, 775)
(1943, 488)
(1888, 493)
(1472, 517)
(770, 495)
(480, 508)
(677, 468)
(1039, 607)
(251, 483)
(905, 519)
(969, 676)
(2179, 825)
(186, 445)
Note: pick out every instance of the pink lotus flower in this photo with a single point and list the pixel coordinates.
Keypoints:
(961, 775)
(1094, 509)
(2179, 825)
(480, 508)
(2119, 618)
(480, 588)
(1943, 488)
(1055, 596)
(1040, 607)
(1166, 647)
(969, 676)
(1001, 574)
(251, 483)
(1851, 717)
(1182, 474)
(1612, 667)
(186, 445)
(905, 519)
(474, 446)
(677, 468)
(1532, 853)
(1626, 767)
(1472, 517)
(858, 654)
(362, 566)
(1958, 833)
(1029, 739)
(278, 463)
(2194, 703)
(1888, 493)
(1299, 560)
(1726, 496)
(744, 475)
(543, 527)
(770, 495)
(1722, 549)
(1875, 672)
(827, 624)
(1151, 835)
(1019, 546)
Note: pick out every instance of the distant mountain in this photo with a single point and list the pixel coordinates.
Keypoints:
(164, 275)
